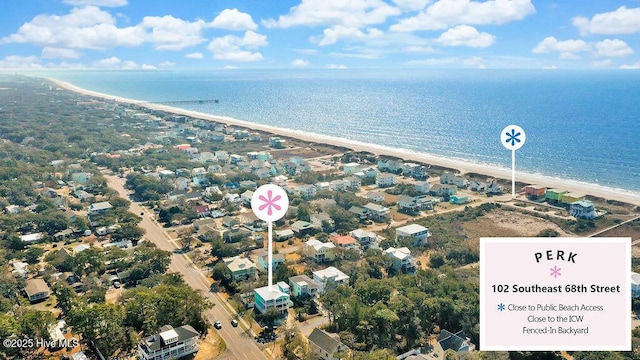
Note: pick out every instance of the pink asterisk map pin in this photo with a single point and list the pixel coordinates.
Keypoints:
(270, 203)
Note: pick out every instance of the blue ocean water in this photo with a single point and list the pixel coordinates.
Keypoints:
(580, 125)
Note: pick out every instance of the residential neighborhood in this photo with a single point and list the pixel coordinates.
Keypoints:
(150, 231)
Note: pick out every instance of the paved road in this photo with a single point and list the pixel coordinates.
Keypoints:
(239, 345)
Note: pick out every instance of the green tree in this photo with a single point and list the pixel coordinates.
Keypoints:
(35, 323)
(304, 213)
(32, 254)
(269, 318)
(65, 297)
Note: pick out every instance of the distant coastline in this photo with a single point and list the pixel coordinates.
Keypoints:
(463, 167)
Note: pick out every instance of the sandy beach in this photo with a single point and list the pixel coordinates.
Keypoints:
(463, 167)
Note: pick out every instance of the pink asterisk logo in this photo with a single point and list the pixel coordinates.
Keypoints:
(555, 271)
(269, 202)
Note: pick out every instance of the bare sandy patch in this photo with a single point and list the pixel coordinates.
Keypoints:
(507, 224)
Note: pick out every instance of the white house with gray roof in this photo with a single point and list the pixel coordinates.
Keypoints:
(169, 343)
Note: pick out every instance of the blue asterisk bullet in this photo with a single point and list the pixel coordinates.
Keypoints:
(513, 137)
(501, 307)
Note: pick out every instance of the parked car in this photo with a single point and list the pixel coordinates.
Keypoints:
(116, 284)
(234, 323)
(217, 325)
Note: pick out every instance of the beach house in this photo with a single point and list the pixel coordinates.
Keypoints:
(275, 297)
(635, 285)
(365, 238)
(385, 180)
(457, 342)
(262, 259)
(353, 183)
(100, 207)
(535, 192)
(240, 268)
(318, 251)
(351, 168)
(329, 278)
(322, 222)
(169, 343)
(402, 260)
(374, 196)
(344, 241)
(377, 212)
(325, 346)
(302, 285)
(554, 196)
(583, 209)
(422, 187)
(36, 290)
(417, 234)
(570, 198)
(443, 190)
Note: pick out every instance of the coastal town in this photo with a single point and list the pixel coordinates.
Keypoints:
(127, 232)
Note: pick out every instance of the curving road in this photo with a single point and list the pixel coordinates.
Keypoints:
(239, 345)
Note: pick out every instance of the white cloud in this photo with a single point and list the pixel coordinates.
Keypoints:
(360, 54)
(338, 32)
(167, 63)
(336, 66)
(253, 40)
(352, 13)
(612, 48)
(20, 62)
(234, 48)
(92, 28)
(620, 21)
(550, 67)
(195, 55)
(232, 19)
(603, 63)
(412, 4)
(464, 35)
(229, 67)
(300, 63)
(108, 62)
(170, 33)
(115, 63)
(434, 61)
(418, 49)
(473, 61)
(568, 49)
(83, 28)
(569, 56)
(57, 53)
(446, 13)
(632, 66)
(148, 67)
(104, 3)
(551, 44)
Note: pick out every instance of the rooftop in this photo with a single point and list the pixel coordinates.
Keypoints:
(412, 229)
(239, 264)
(331, 272)
(35, 286)
(324, 341)
(343, 240)
(399, 253)
(270, 294)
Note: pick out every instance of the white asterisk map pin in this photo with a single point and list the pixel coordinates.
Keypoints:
(513, 137)
(270, 203)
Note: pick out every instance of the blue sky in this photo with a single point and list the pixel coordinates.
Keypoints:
(207, 34)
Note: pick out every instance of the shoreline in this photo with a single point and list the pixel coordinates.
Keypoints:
(463, 167)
